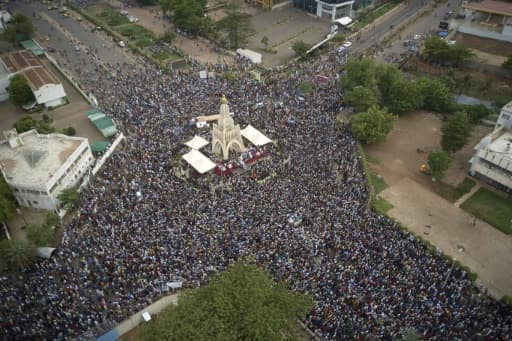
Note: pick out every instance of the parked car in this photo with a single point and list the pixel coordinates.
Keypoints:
(121, 43)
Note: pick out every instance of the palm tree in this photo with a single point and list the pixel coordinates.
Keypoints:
(17, 254)
(69, 197)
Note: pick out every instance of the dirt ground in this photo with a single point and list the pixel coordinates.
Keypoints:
(398, 158)
(490, 46)
(484, 249)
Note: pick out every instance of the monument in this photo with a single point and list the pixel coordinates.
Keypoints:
(226, 134)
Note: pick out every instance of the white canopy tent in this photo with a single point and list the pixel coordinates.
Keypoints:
(199, 161)
(255, 136)
(197, 142)
(45, 252)
(344, 21)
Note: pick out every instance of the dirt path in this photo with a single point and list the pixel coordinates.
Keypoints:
(484, 249)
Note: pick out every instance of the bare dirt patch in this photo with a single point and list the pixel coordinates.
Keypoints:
(494, 47)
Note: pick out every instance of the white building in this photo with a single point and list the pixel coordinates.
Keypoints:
(4, 81)
(38, 167)
(492, 161)
(5, 17)
(47, 89)
(226, 134)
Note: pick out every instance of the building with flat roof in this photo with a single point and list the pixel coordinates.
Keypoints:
(39, 167)
(492, 160)
(332, 9)
(47, 89)
(488, 19)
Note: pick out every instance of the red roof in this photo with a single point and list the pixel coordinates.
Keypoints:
(492, 6)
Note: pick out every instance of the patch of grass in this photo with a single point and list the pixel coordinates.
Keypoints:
(491, 208)
(446, 191)
(381, 205)
(465, 186)
(112, 17)
(135, 32)
(378, 183)
(161, 56)
(369, 16)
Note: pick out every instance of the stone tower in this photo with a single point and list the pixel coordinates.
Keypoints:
(226, 134)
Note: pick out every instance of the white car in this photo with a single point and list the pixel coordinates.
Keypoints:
(77, 48)
(121, 43)
(347, 44)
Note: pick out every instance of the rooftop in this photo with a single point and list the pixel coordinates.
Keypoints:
(492, 6)
(502, 144)
(20, 60)
(39, 76)
(38, 158)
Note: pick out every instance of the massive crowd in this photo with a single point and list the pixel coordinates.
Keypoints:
(140, 227)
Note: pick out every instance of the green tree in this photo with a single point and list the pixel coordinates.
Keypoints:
(19, 28)
(40, 234)
(300, 48)
(455, 132)
(69, 197)
(16, 254)
(264, 42)
(507, 65)
(237, 27)
(476, 112)
(242, 303)
(359, 72)
(436, 95)
(439, 51)
(404, 96)
(7, 201)
(19, 90)
(373, 125)
(361, 98)
(147, 2)
(52, 219)
(439, 162)
(27, 123)
(386, 77)
(187, 15)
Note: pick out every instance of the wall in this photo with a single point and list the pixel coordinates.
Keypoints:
(484, 34)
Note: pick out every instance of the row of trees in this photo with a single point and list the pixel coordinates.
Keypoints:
(242, 303)
(190, 16)
(43, 126)
(375, 91)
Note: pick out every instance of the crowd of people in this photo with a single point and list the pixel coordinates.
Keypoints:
(140, 227)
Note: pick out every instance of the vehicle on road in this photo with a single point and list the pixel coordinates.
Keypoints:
(50, 49)
(77, 48)
(121, 43)
(97, 28)
(347, 44)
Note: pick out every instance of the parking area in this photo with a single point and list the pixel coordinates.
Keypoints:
(70, 115)
(283, 27)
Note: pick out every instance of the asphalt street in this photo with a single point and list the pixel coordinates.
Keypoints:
(76, 46)
(374, 35)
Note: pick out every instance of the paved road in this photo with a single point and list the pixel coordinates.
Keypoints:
(377, 33)
(76, 46)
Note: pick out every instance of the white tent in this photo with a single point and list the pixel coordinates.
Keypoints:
(344, 21)
(45, 252)
(255, 136)
(197, 142)
(199, 161)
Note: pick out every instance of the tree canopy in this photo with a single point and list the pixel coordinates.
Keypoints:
(242, 303)
(236, 27)
(436, 95)
(19, 28)
(455, 132)
(7, 201)
(300, 48)
(16, 254)
(373, 125)
(69, 197)
(361, 98)
(359, 72)
(437, 50)
(19, 90)
(439, 162)
(187, 15)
